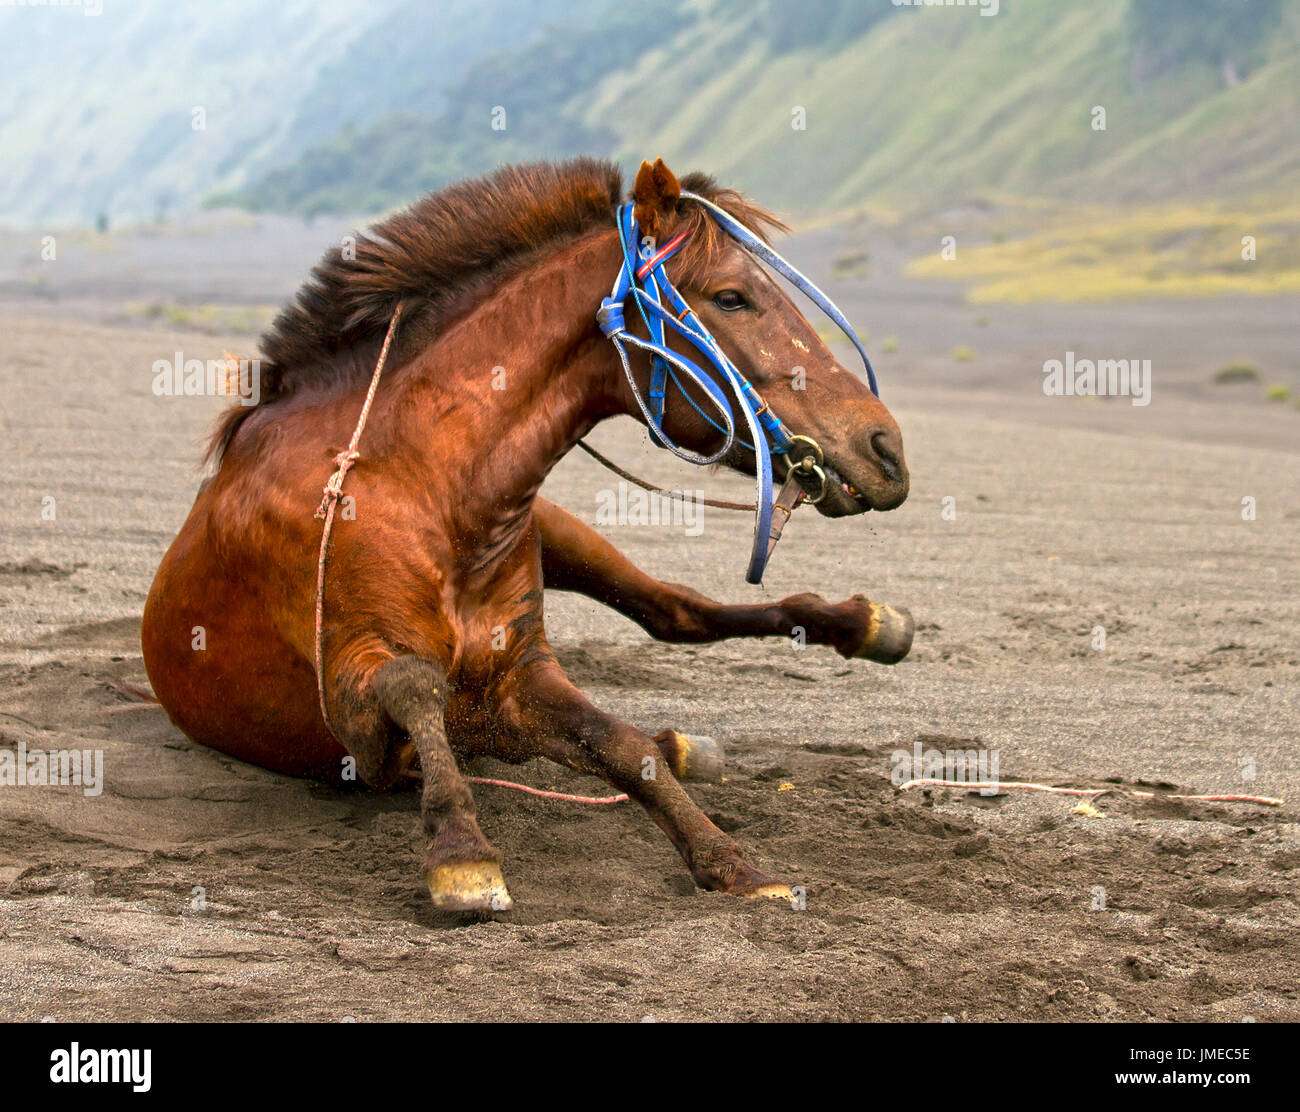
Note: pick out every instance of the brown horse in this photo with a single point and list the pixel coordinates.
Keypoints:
(434, 646)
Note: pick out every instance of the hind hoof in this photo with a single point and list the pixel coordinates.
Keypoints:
(468, 886)
(745, 880)
(693, 758)
(771, 892)
(889, 632)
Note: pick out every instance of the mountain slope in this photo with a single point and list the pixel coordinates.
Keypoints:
(937, 105)
(910, 107)
(97, 112)
(318, 105)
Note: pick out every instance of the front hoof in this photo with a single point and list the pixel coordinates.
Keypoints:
(468, 886)
(692, 758)
(889, 632)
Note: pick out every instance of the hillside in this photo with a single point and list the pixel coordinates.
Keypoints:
(912, 108)
(325, 105)
(97, 114)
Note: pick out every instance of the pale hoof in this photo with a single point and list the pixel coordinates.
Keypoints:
(469, 886)
(693, 758)
(771, 892)
(889, 632)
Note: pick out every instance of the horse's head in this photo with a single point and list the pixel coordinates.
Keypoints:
(771, 343)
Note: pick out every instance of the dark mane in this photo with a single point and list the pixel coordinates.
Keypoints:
(443, 246)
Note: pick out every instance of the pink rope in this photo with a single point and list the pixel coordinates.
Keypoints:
(325, 511)
(1265, 800)
(563, 796)
(934, 782)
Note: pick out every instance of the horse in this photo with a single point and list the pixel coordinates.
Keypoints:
(425, 645)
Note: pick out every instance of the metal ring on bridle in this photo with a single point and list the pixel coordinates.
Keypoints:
(811, 450)
(810, 465)
(816, 470)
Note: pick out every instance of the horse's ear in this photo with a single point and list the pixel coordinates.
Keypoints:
(656, 193)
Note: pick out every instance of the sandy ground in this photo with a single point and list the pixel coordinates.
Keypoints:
(198, 887)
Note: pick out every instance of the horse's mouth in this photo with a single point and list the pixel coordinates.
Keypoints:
(845, 497)
(878, 484)
(842, 498)
(839, 497)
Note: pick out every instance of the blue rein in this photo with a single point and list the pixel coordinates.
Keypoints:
(661, 307)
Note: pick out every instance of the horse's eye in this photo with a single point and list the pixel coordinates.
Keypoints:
(730, 300)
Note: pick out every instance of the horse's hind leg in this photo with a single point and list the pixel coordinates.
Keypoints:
(462, 869)
(577, 558)
(549, 716)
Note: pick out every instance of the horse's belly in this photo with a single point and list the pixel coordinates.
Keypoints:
(225, 674)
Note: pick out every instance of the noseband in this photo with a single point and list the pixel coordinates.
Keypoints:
(662, 308)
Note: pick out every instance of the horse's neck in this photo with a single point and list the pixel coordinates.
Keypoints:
(511, 387)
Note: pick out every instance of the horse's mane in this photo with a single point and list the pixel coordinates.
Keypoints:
(444, 246)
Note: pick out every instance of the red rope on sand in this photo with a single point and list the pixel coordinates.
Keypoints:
(147, 701)
(934, 782)
(602, 799)
(1267, 801)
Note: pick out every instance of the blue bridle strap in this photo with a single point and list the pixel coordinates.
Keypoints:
(760, 250)
(643, 279)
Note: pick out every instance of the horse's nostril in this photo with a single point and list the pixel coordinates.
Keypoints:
(889, 455)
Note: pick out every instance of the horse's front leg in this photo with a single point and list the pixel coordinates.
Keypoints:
(577, 558)
(462, 869)
(549, 716)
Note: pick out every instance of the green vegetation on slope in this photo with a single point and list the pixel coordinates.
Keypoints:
(509, 107)
(1088, 252)
(152, 107)
(823, 106)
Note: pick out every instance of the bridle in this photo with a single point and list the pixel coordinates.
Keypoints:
(643, 279)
